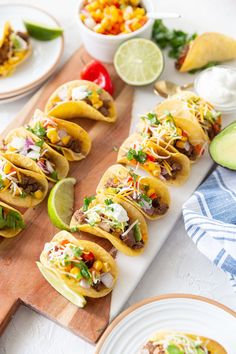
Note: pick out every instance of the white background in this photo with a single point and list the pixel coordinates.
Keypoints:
(179, 267)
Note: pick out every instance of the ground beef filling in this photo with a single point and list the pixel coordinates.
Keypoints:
(188, 151)
(104, 110)
(182, 57)
(5, 50)
(74, 145)
(176, 167)
(29, 184)
(98, 286)
(151, 348)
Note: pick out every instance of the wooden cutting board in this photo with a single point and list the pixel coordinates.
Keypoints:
(20, 279)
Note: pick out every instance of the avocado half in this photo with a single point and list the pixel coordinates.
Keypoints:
(223, 147)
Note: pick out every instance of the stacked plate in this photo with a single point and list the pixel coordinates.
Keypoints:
(43, 60)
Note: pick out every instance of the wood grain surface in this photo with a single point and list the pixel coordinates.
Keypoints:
(20, 279)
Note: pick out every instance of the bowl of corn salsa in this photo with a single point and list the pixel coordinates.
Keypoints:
(105, 24)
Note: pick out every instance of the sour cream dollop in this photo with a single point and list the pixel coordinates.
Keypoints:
(218, 86)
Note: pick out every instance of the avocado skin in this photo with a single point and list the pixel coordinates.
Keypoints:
(219, 139)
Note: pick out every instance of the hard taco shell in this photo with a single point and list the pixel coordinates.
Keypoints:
(99, 253)
(8, 233)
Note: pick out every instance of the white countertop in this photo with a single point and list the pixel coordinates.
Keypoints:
(179, 267)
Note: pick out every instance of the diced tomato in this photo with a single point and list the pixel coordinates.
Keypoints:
(88, 256)
(151, 158)
(64, 242)
(199, 150)
(153, 196)
(130, 179)
(184, 133)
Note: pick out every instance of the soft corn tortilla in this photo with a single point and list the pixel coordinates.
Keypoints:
(182, 159)
(8, 233)
(74, 130)
(212, 346)
(10, 65)
(133, 214)
(61, 164)
(99, 253)
(120, 171)
(29, 201)
(209, 47)
(78, 109)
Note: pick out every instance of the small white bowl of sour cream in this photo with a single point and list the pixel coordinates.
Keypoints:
(102, 46)
(218, 86)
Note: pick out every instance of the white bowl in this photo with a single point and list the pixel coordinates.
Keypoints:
(102, 46)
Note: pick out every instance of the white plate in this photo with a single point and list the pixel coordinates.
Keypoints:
(19, 96)
(187, 313)
(45, 55)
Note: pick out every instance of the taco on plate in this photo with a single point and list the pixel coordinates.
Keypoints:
(65, 137)
(185, 135)
(114, 219)
(15, 47)
(148, 194)
(78, 267)
(28, 151)
(11, 221)
(21, 187)
(169, 166)
(168, 342)
(81, 99)
(207, 48)
(192, 107)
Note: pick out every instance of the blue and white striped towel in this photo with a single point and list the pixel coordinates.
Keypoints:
(210, 220)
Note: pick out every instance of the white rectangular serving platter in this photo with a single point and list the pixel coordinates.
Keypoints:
(132, 269)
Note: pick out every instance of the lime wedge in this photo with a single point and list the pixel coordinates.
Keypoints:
(41, 32)
(61, 202)
(138, 61)
(59, 286)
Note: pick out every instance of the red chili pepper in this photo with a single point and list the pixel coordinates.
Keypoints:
(88, 256)
(97, 73)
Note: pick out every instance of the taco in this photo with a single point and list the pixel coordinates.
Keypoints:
(21, 187)
(194, 108)
(28, 151)
(206, 49)
(81, 99)
(15, 47)
(67, 138)
(169, 166)
(81, 267)
(185, 135)
(114, 219)
(166, 342)
(148, 194)
(11, 221)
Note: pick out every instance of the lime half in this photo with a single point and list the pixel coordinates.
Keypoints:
(41, 32)
(59, 286)
(138, 61)
(61, 202)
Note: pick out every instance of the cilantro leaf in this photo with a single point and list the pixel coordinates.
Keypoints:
(87, 201)
(108, 201)
(54, 175)
(39, 143)
(84, 270)
(139, 156)
(10, 220)
(152, 117)
(38, 130)
(77, 251)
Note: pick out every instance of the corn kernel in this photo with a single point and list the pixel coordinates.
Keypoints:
(7, 168)
(74, 271)
(184, 138)
(65, 140)
(53, 136)
(179, 131)
(156, 172)
(38, 194)
(106, 267)
(6, 182)
(151, 166)
(180, 144)
(98, 265)
(151, 191)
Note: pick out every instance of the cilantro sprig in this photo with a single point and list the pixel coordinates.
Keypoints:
(87, 201)
(11, 220)
(139, 156)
